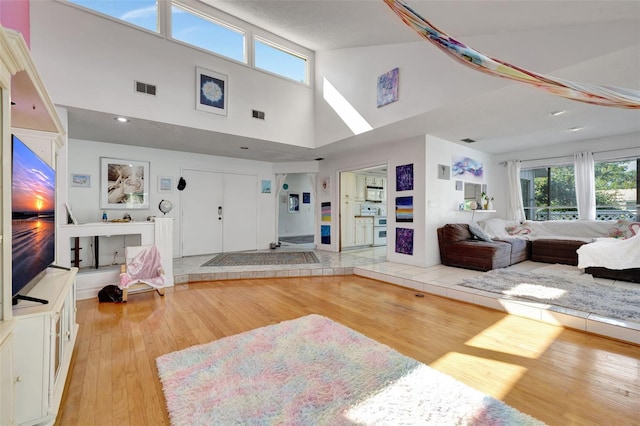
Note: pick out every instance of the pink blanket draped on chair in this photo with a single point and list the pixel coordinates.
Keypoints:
(145, 267)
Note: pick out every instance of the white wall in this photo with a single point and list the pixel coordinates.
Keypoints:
(443, 199)
(84, 158)
(91, 62)
(302, 223)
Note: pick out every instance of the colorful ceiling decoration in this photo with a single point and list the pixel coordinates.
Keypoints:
(590, 93)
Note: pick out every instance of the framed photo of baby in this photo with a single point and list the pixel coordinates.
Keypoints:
(124, 184)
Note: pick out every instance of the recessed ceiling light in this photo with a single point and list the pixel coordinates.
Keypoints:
(244, 147)
(557, 113)
(575, 129)
(122, 119)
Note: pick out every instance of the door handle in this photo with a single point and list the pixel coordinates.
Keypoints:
(219, 212)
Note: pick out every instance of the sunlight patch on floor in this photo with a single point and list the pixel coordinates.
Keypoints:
(492, 338)
(534, 290)
(495, 378)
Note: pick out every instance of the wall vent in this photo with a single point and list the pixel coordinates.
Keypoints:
(149, 89)
(467, 140)
(257, 114)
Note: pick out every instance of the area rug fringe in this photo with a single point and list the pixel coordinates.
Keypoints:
(314, 371)
(568, 290)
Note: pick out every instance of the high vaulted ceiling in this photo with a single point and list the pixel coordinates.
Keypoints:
(511, 118)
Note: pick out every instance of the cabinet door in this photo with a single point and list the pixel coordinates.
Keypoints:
(359, 231)
(346, 224)
(361, 188)
(347, 185)
(32, 344)
(6, 381)
(367, 230)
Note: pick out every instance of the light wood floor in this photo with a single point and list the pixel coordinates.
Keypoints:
(560, 376)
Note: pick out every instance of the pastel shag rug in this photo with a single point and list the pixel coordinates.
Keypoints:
(314, 371)
(263, 258)
(569, 290)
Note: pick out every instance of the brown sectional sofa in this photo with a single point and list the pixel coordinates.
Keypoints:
(459, 248)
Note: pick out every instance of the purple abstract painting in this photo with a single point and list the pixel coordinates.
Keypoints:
(404, 241)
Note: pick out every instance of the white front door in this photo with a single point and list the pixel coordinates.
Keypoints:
(240, 215)
(219, 212)
(201, 204)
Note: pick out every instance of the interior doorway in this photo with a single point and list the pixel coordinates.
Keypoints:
(363, 208)
(296, 211)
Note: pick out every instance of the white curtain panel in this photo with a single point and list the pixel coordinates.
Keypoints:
(585, 185)
(314, 192)
(515, 206)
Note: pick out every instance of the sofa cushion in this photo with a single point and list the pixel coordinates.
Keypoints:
(478, 254)
(477, 232)
(520, 249)
(453, 232)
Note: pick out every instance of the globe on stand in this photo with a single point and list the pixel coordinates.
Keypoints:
(165, 206)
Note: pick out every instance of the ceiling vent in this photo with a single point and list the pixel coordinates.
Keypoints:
(257, 114)
(467, 140)
(149, 89)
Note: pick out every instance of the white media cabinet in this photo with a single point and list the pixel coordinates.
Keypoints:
(43, 341)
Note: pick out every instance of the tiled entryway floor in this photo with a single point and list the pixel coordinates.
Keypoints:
(438, 280)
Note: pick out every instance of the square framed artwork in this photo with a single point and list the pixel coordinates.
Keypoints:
(211, 91)
(165, 184)
(388, 87)
(80, 180)
(444, 172)
(124, 184)
(306, 198)
(404, 177)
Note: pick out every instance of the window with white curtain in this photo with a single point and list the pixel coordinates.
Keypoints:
(549, 193)
(617, 194)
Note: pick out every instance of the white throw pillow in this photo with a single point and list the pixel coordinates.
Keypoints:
(477, 231)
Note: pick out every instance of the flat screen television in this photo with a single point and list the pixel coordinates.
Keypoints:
(33, 219)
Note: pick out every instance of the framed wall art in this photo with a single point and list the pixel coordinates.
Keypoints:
(404, 177)
(404, 241)
(266, 187)
(124, 184)
(211, 91)
(294, 202)
(165, 184)
(326, 211)
(388, 87)
(467, 168)
(81, 181)
(404, 209)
